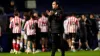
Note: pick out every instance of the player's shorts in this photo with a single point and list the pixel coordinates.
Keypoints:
(72, 35)
(67, 36)
(31, 38)
(23, 35)
(44, 34)
(16, 35)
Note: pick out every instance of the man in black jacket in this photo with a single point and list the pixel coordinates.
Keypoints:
(84, 31)
(94, 29)
(56, 26)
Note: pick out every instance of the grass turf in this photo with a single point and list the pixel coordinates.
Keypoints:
(68, 53)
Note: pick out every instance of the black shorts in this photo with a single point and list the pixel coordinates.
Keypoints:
(44, 34)
(16, 35)
(31, 38)
(72, 35)
(67, 36)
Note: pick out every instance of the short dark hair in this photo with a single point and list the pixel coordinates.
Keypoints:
(72, 14)
(56, 2)
(25, 14)
(92, 14)
(16, 13)
(43, 13)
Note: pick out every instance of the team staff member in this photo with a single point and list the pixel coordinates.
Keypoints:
(84, 23)
(56, 26)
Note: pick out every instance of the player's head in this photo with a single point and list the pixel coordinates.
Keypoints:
(35, 14)
(12, 3)
(91, 16)
(43, 14)
(16, 13)
(24, 15)
(83, 16)
(73, 14)
(55, 4)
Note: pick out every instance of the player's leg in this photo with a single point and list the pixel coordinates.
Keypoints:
(28, 50)
(45, 40)
(99, 40)
(80, 44)
(46, 43)
(14, 46)
(18, 43)
(68, 40)
(33, 37)
(98, 37)
(42, 41)
(21, 42)
(86, 43)
(34, 46)
(25, 41)
(73, 41)
(54, 44)
(13, 43)
(82, 41)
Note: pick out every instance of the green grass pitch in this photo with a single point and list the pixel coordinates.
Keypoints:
(68, 53)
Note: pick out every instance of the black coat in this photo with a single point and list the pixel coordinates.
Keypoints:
(85, 28)
(94, 26)
(56, 21)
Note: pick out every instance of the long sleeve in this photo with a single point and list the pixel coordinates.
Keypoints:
(64, 24)
(25, 26)
(11, 24)
(39, 23)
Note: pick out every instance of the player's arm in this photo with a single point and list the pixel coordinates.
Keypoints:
(64, 25)
(25, 26)
(77, 23)
(39, 23)
(11, 23)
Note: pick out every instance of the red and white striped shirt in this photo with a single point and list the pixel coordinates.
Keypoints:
(72, 24)
(43, 24)
(30, 27)
(15, 24)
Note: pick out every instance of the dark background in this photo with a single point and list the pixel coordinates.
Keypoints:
(67, 5)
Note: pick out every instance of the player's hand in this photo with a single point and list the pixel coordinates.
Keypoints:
(11, 18)
(50, 13)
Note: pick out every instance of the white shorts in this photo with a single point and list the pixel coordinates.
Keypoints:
(23, 35)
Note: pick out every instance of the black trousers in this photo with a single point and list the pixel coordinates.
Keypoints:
(93, 41)
(57, 42)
